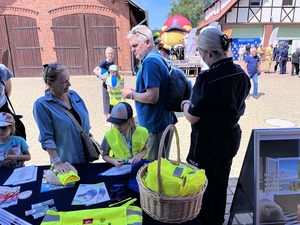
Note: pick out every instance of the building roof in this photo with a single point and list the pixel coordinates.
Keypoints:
(219, 15)
(140, 15)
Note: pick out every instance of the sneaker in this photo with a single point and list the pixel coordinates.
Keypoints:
(255, 96)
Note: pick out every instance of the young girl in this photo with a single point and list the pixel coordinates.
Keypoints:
(13, 149)
(125, 140)
(115, 95)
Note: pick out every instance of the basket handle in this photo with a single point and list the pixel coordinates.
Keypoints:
(159, 156)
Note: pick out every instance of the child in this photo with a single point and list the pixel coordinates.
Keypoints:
(13, 149)
(125, 140)
(115, 95)
(104, 64)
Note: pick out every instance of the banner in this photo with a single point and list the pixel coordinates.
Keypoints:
(237, 42)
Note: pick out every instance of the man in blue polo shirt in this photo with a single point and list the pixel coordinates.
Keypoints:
(151, 91)
(253, 70)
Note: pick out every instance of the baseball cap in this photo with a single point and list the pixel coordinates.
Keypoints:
(113, 68)
(6, 119)
(120, 113)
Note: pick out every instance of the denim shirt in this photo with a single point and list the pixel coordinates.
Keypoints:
(57, 130)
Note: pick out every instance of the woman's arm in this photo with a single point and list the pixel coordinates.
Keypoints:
(185, 106)
(58, 164)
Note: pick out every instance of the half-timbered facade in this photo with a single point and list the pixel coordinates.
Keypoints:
(256, 18)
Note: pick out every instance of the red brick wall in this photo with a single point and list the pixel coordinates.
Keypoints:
(45, 10)
(267, 34)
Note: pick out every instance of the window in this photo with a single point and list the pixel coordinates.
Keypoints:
(287, 2)
(254, 2)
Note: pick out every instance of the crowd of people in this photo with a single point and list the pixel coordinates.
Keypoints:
(213, 111)
(279, 54)
(252, 58)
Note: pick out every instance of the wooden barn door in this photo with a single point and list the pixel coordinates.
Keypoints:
(5, 56)
(101, 32)
(70, 43)
(24, 46)
(81, 39)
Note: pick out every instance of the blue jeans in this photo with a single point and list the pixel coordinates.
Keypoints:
(255, 83)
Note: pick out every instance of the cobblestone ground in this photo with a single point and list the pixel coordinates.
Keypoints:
(279, 101)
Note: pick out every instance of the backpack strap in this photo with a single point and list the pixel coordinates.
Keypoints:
(2, 82)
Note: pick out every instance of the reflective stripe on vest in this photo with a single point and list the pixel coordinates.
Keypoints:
(119, 148)
(122, 215)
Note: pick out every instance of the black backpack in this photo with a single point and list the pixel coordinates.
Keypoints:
(180, 87)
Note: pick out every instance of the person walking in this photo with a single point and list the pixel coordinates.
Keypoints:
(216, 105)
(151, 90)
(283, 57)
(295, 62)
(268, 58)
(105, 64)
(59, 136)
(253, 69)
(261, 53)
(276, 53)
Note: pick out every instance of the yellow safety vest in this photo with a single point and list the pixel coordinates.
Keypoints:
(178, 180)
(121, 215)
(65, 178)
(115, 96)
(118, 146)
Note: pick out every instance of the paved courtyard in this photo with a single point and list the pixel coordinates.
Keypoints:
(277, 106)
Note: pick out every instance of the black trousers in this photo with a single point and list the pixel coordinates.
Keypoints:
(215, 195)
(295, 66)
(20, 128)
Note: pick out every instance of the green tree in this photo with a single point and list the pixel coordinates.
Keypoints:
(193, 10)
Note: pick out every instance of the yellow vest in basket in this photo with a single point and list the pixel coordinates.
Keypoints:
(178, 180)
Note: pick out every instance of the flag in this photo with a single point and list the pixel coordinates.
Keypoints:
(273, 36)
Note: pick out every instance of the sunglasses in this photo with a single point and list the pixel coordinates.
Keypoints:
(116, 193)
(4, 128)
(137, 32)
(51, 66)
(120, 125)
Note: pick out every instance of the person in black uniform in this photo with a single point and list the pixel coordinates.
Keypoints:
(216, 105)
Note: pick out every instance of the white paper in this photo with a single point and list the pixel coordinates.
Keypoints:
(22, 175)
(8, 218)
(115, 171)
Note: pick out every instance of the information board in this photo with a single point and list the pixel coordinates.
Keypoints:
(269, 182)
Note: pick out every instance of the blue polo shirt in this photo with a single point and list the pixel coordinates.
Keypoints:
(252, 62)
(153, 73)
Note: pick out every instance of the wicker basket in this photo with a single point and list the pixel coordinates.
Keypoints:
(165, 208)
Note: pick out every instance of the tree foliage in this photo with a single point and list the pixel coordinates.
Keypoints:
(193, 10)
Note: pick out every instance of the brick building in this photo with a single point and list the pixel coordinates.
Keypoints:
(73, 32)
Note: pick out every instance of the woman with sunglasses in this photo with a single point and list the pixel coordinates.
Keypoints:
(58, 134)
(13, 149)
(124, 142)
(217, 103)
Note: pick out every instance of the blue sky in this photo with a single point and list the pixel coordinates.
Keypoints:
(157, 11)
